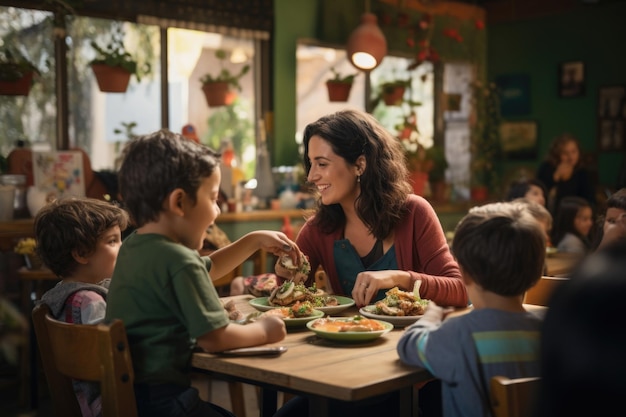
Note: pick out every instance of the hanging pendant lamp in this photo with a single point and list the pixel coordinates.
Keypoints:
(367, 45)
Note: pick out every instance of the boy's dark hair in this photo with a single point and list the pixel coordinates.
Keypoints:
(73, 225)
(565, 217)
(154, 165)
(501, 246)
(519, 188)
(617, 199)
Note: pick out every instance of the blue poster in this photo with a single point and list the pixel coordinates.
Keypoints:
(514, 94)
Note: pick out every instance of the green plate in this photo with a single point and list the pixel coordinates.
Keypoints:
(350, 336)
(261, 304)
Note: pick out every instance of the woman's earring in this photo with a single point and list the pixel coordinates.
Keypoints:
(358, 179)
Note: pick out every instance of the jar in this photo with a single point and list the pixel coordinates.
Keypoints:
(20, 209)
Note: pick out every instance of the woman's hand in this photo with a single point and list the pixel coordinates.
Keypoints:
(563, 171)
(368, 283)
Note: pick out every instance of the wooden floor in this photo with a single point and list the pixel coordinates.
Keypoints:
(9, 406)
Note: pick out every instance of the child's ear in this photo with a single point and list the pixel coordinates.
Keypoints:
(79, 258)
(174, 201)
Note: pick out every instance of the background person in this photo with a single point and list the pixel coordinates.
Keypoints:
(531, 189)
(572, 226)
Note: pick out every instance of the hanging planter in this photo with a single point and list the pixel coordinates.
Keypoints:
(218, 94)
(339, 87)
(111, 79)
(217, 89)
(393, 95)
(19, 87)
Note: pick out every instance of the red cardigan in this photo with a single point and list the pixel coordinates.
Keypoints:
(421, 249)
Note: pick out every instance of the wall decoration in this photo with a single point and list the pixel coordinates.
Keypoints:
(572, 79)
(59, 173)
(519, 139)
(514, 94)
(611, 118)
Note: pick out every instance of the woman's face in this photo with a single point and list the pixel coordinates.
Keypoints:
(583, 221)
(335, 179)
(535, 194)
(570, 153)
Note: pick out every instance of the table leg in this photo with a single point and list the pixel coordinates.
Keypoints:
(407, 402)
(268, 402)
(319, 406)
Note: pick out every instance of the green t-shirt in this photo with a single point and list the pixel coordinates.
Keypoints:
(163, 293)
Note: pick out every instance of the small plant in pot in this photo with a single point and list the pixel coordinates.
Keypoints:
(113, 65)
(218, 88)
(339, 86)
(16, 73)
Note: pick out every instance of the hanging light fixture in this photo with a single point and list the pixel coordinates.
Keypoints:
(367, 45)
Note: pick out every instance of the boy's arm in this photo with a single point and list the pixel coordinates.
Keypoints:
(412, 344)
(268, 329)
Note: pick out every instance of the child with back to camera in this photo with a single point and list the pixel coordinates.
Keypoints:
(78, 239)
(500, 249)
(161, 287)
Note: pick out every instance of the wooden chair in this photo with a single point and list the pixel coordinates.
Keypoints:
(85, 352)
(513, 397)
(541, 292)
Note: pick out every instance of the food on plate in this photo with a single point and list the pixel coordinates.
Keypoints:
(299, 309)
(289, 293)
(400, 303)
(298, 273)
(353, 324)
(233, 313)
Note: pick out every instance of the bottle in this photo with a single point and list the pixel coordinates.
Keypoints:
(287, 229)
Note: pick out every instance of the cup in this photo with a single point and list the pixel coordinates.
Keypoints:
(7, 199)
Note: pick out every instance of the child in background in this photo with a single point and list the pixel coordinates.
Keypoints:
(79, 239)
(500, 250)
(531, 189)
(613, 223)
(161, 287)
(573, 223)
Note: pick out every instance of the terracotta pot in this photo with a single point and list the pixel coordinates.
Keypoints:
(419, 180)
(111, 79)
(218, 94)
(19, 87)
(439, 191)
(394, 97)
(338, 91)
(479, 193)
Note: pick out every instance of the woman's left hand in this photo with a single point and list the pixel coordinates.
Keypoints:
(368, 283)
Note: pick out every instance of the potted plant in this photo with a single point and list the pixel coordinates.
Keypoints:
(16, 73)
(392, 93)
(339, 86)
(437, 174)
(217, 88)
(113, 65)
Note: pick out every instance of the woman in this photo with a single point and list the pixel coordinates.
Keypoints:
(369, 233)
(563, 174)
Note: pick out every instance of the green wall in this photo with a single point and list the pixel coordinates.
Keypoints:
(593, 34)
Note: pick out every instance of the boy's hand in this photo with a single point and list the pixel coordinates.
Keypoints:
(274, 327)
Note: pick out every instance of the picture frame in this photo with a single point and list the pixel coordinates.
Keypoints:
(572, 79)
(611, 118)
(519, 139)
(514, 94)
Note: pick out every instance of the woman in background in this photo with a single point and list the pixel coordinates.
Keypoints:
(573, 223)
(563, 174)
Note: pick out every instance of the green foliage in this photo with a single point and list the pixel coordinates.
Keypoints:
(14, 65)
(225, 75)
(485, 136)
(437, 155)
(345, 79)
(115, 55)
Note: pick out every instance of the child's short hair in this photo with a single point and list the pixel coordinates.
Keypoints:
(519, 188)
(617, 200)
(73, 225)
(501, 246)
(154, 165)
(539, 212)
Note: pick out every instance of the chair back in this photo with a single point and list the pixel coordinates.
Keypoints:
(97, 353)
(541, 292)
(514, 397)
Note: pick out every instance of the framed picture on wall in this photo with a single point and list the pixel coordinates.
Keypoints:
(514, 94)
(611, 118)
(572, 79)
(519, 139)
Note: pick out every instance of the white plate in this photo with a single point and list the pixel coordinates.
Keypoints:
(398, 321)
(261, 304)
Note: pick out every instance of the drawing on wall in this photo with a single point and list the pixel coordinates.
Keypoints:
(611, 118)
(514, 94)
(59, 173)
(519, 139)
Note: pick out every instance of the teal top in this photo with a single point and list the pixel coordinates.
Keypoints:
(163, 293)
(349, 265)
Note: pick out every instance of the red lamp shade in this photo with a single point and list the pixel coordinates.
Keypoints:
(367, 45)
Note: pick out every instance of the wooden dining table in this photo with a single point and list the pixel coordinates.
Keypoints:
(320, 369)
(561, 264)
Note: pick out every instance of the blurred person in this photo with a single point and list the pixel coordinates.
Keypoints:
(613, 222)
(572, 226)
(531, 189)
